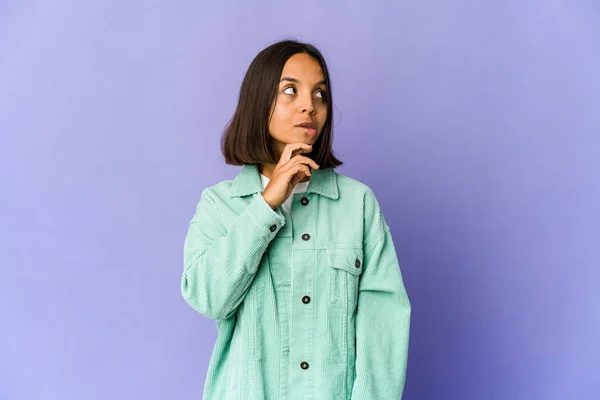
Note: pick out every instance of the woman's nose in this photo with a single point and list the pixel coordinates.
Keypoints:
(308, 105)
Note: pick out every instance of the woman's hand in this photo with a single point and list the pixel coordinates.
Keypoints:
(290, 170)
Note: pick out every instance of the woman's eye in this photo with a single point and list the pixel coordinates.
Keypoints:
(290, 90)
(321, 93)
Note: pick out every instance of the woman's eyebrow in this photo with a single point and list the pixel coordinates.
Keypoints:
(285, 78)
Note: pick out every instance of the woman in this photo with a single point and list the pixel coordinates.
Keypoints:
(293, 260)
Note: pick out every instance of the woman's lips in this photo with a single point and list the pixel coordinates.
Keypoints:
(310, 130)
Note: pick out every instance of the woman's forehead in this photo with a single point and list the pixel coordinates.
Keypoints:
(302, 68)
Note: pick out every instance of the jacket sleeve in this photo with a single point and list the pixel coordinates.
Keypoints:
(382, 316)
(220, 262)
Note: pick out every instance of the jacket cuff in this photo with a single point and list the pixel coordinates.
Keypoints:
(267, 221)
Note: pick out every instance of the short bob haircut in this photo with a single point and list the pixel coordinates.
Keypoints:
(246, 139)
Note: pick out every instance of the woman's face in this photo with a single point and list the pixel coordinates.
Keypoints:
(301, 98)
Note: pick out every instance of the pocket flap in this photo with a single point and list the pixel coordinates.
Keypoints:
(348, 259)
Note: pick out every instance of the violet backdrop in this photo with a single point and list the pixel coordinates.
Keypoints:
(475, 123)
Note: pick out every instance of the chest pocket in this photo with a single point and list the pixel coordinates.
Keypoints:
(345, 267)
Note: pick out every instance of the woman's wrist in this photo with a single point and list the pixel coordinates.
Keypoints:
(274, 207)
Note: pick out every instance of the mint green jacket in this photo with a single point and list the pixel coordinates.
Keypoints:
(309, 305)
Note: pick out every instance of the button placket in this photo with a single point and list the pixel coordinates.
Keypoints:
(308, 219)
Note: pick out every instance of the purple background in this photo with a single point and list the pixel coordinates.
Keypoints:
(476, 124)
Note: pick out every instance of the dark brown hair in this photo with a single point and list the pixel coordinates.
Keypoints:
(246, 139)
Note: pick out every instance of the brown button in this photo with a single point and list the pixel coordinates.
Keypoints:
(304, 201)
(273, 227)
(304, 365)
(306, 299)
(357, 263)
(306, 236)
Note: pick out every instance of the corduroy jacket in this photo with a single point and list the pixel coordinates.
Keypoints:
(308, 305)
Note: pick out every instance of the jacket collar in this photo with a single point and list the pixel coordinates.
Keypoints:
(322, 181)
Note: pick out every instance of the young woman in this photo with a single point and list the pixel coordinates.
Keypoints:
(293, 260)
